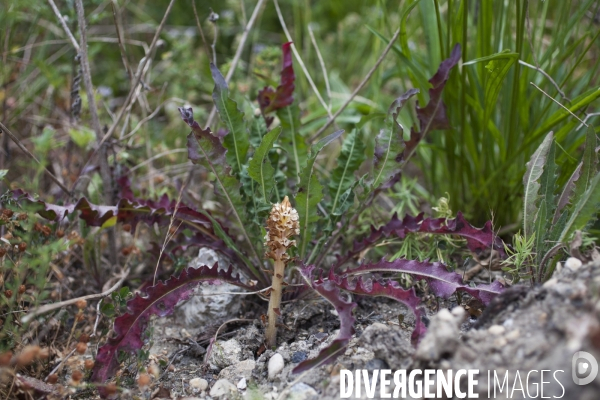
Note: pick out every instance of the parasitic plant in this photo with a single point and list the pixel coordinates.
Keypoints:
(281, 226)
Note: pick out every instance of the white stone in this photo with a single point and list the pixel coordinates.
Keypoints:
(205, 305)
(550, 282)
(199, 384)
(496, 330)
(301, 391)
(222, 387)
(242, 384)
(573, 263)
(445, 315)
(458, 312)
(513, 335)
(275, 365)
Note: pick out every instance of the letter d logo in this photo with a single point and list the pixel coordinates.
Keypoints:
(584, 368)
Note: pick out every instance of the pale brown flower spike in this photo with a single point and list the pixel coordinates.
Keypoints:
(281, 226)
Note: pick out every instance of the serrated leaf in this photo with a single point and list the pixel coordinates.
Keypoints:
(540, 232)
(349, 160)
(535, 168)
(433, 115)
(331, 293)
(558, 227)
(128, 210)
(310, 193)
(159, 300)
(478, 239)
(259, 166)
(566, 192)
(292, 141)
(272, 100)
(389, 144)
(236, 141)
(547, 205)
(205, 149)
(585, 210)
(590, 164)
(442, 282)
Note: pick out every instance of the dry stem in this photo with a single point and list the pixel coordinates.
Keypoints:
(274, 304)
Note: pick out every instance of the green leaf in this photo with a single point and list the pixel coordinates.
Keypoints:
(3, 173)
(236, 141)
(205, 149)
(389, 144)
(292, 141)
(259, 166)
(349, 160)
(541, 220)
(585, 210)
(535, 167)
(589, 166)
(83, 137)
(547, 201)
(310, 193)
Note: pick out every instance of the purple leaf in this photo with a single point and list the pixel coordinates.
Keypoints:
(271, 100)
(433, 115)
(159, 300)
(442, 282)
(386, 288)
(330, 291)
(128, 210)
(478, 239)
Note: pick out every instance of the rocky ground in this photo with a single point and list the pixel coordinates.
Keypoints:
(524, 329)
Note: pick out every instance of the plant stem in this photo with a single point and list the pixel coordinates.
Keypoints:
(274, 303)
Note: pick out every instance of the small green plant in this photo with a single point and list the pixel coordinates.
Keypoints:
(28, 250)
(521, 258)
(553, 213)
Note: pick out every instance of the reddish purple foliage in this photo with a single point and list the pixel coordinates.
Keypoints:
(271, 99)
(331, 292)
(330, 289)
(442, 282)
(159, 300)
(127, 210)
(478, 239)
(433, 115)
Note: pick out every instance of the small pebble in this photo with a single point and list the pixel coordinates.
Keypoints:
(199, 383)
(242, 384)
(550, 282)
(573, 263)
(275, 365)
(513, 335)
(222, 387)
(496, 330)
(458, 312)
(299, 356)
